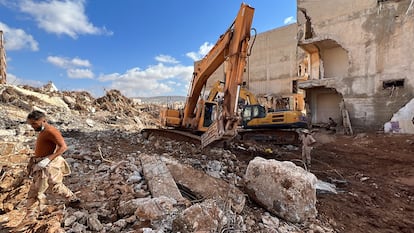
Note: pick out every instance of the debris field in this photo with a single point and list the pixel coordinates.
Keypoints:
(131, 183)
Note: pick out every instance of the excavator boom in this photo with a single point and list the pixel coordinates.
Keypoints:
(231, 48)
(235, 57)
(216, 119)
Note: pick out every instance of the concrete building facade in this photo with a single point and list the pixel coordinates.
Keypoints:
(353, 54)
(358, 52)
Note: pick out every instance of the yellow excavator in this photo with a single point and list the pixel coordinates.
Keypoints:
(216, 120)
(277, 123)
(285, 114)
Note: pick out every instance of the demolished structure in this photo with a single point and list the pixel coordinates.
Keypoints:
(351, 52)
(368, 69)
(127, 182)
(130, 183)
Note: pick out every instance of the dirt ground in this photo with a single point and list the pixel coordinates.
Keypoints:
(374, 174)
(375, 177)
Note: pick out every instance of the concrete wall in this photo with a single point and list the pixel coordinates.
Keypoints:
(272, 64)
(373, 42)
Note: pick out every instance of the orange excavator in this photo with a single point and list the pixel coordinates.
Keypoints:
(216, 120)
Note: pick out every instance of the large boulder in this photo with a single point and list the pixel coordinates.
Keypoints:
(283, 188)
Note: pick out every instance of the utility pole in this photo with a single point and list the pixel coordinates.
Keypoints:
(3, 64)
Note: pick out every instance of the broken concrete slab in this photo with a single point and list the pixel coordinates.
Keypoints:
(206, 186)
(159, 178)
(282, 188)
(155, 208)
(52, 100)
(127, 208)
(325, 187)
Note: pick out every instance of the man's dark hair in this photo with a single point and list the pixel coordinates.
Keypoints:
(36, 115)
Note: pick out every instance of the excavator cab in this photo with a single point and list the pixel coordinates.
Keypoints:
(209, 114)
(256, 117)
(251, 112)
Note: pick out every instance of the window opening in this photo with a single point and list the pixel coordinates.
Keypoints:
(393, 83)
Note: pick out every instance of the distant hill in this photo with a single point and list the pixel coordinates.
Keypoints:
(161, 99)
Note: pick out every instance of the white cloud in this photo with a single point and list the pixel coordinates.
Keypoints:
(67, 63)
(16, 39)
(79, 62)
(72, 66)
(156, 80)
(203, 50)
(61, 17)
(80, 73)
(166, 59)
(289, 20)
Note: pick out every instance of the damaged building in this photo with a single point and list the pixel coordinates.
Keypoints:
(369, 69)
(350, 60)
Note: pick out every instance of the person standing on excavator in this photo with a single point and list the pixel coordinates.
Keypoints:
(47, 166)
(307, 145)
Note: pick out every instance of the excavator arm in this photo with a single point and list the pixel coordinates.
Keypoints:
(235, 46)
(230, 48)
(217, 119)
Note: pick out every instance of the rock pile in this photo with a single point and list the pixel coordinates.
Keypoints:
(115, 172)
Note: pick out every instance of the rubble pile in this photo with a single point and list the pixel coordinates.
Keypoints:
(127, 183)
(77, 111)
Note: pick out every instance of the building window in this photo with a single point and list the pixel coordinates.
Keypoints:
(295, 86)
(393, 83)
(381, 1)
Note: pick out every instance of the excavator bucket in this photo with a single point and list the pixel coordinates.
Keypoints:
(218, 132)
(211, 135)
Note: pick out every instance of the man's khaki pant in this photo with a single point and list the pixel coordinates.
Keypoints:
(50, 178)
(306, 154)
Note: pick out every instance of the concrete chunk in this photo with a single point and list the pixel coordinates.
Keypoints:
(206, 186)
(160, 181)
(282, 188)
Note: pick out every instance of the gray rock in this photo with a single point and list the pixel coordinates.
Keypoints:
(127, 208)
(283, 188)
(94, 224)
(69, 221)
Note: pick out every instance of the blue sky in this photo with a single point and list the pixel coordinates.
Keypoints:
(141, 47)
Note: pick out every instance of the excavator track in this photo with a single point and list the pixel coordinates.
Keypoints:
(172, 134)
(274, 136)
